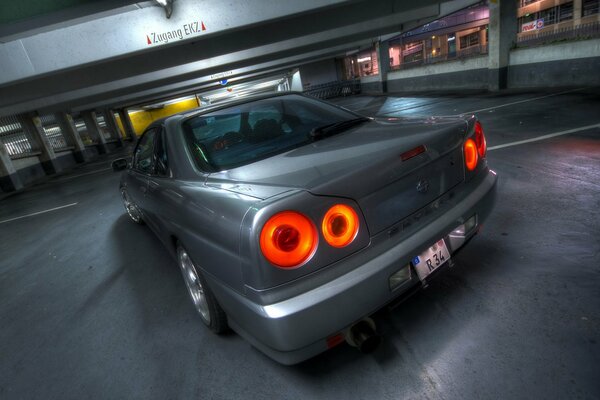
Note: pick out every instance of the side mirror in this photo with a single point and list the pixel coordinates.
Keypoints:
(119, 164)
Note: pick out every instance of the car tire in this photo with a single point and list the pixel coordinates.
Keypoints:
(132, 209)
(202, 297)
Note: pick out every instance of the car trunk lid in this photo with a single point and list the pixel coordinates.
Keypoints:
(366, 164)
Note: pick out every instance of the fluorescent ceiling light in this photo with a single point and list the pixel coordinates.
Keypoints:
(167, 5)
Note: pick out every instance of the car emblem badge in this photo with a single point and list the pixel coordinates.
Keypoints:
(423, 186)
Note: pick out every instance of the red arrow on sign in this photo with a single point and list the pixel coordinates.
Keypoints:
(148, 38)
(203, 27)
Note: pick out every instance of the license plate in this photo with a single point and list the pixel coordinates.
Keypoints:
(428, 261)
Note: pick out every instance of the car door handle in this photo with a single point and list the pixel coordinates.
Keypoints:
(144, 189)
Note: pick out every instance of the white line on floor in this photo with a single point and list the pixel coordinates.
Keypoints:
(521, 101)
(551, 135)
(39, 212)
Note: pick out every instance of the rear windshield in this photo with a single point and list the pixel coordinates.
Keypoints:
(244, 133)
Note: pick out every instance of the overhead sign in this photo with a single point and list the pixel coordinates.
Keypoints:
(187, 30)
(533, 25)
(221, 75)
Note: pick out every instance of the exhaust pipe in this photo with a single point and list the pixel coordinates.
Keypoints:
(362, 335)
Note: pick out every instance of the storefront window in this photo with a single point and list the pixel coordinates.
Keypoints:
(395, 56)
(442, 39)
(549, 16)
(367, 63)
(412, 52)
(469, 40)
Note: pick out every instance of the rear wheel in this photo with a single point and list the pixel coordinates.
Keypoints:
(204, 301)
(132, 210)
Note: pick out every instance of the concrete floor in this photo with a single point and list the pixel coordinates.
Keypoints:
(92, 306)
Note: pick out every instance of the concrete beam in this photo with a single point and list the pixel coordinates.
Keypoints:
(282, 65)
(248, 57)
(137, 30)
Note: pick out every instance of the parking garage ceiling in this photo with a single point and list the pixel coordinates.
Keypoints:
(81, 55)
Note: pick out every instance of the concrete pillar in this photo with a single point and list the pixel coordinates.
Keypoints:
(32, 126)
(9, 180)
(577, 12)
(383, 58)
(111, 123)
(91, 123)
(68, 129)
(502, 36)
(129, 131)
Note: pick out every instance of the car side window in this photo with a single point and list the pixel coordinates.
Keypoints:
(142, 158)
(162, 162)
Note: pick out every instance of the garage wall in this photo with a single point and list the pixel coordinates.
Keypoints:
(470, 73)
(29, 169)
(371, 84)
(564, 64)
(318, 73)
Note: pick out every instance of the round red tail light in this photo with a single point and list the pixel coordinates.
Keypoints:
(288, 239)
(340, 225)
(470, 154)
(480, 140)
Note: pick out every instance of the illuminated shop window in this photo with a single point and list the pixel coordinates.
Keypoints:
(367, 63)
(550, 16)
(412, 52)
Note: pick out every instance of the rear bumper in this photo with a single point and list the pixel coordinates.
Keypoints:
(296, 328)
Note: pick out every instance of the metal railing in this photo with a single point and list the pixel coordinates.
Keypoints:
(585, 31)
(334, 89)
(54, 134)
(15, 139)
(430, 59)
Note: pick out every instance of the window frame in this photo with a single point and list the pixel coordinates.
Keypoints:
(134, 159)
(160, 145)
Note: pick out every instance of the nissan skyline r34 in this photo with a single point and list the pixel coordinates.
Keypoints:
(294, 220)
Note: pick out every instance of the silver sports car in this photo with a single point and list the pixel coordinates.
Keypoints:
(294, 220)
